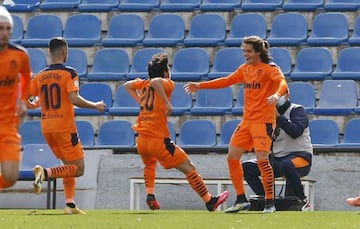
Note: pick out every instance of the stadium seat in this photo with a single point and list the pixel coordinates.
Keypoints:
(190, 131)
(303, 5)
(288, 29)
(18, 30)
(312, 63)
(181, 102)
(341, 5)
(347, 66)
(220, 5)
(213, 101)
(86, 132)
(59, 5)
(23, 6)
(77, 59)
(337, 97)
(261, 5)
(124, 104)
(39, 34)
(180, 5)
(37, 59)
(329, 29)
(203, 33)
(139, 5)
(116, 133)
(172, 131)
(95, 92)
(354, 39)
(226, 132)
(140, 62)
(82, 30)
(190, 64)
(31, 133)
(324, 133)
(282, 57)
(238, 108)
(226, 61)
(109, 64)
(98, 5)
(124, 30)
(351, 136)
(244, 25)
(303, 93)
(165, 30)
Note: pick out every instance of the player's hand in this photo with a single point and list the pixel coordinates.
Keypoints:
(21, 109)
(273, 99)
(191, 87)
(100, 106)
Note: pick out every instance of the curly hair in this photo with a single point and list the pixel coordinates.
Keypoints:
(158, 65)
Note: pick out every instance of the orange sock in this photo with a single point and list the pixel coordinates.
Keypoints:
(267, 175)
(5, 183)
(197, 184)
(69, 189)
(236, 176)
(149, 177)
(68, 170)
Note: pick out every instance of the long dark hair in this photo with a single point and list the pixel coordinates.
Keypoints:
(259, 45)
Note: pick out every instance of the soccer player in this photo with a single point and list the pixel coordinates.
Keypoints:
(15, 76)
(153, 141)
(57, 88)
(264, 83)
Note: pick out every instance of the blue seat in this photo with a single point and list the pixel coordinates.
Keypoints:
(244, 25)
(82, 30)
(109, 64)
(355, 37)
(116, 133)
(226, 132)
(226, 61)
(180, 101)
(59, 5)
(95, 92)
(180, 5)
(139, 5)
(98, 5)
(124, 30)
(203, 33)
(18, 30)
(86, 132)
(165, 30)
(31, 133)
(347, 66)
(26, 6)
(312, 63)
(39, 34)
(341, 5)
(124, 104)
(329, 29)
(337, 97)
(77, 59)
(324, 133)
(140, 62)
(351, 137)
(282, 57)
(303, 5)
(261, 5)
(191, 130)
(220, 5)
(37, 59)
(172, 131)
(303, 93)
(288, 29)
(213, 101)
(238, 108)
(190, 64)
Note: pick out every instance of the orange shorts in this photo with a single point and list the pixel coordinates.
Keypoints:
(65, 145)
(257, 136)
(165, 151)
(10, 145)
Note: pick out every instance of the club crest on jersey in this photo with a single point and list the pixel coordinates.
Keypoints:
(259, 72)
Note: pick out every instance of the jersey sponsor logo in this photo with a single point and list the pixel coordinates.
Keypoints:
(252, 85)
(8, 82)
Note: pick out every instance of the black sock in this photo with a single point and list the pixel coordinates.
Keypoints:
(241, 199)
(71, 205)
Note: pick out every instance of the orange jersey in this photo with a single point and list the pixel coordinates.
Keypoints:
(260, 81)
(15, 76)
(152, 120)
(53, 86)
